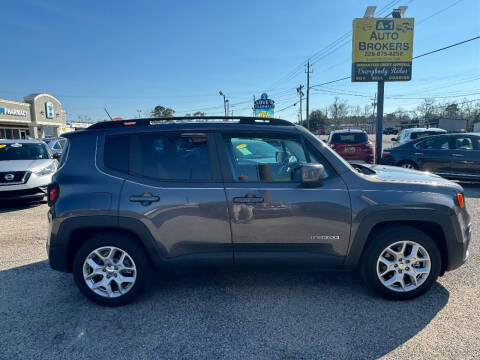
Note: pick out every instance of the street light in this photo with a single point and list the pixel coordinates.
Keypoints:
(224, 102)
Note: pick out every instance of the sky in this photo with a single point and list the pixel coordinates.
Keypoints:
(130, 56)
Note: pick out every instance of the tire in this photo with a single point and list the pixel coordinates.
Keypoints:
(372, 266)
(408, 165)
(110, 268)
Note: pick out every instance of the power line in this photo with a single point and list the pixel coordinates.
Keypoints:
(446, 47)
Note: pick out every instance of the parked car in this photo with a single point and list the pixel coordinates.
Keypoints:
(407, 135)
(26, 168)
(455, 156)
(352, 145)
(390, 131)
(56, 145)
(132, 196)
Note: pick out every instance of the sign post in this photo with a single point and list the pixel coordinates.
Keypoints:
(382, 51)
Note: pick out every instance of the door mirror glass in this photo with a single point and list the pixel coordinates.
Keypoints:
(312, 174)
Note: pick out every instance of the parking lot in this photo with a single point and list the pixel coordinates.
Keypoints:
(279, 315)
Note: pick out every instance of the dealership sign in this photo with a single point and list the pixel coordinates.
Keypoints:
(382, 49)
(49, 112)
(264, 107)
(13, 112)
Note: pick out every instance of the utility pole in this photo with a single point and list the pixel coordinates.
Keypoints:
(378, 137)
(374, 106)
(253, 107)
(300, 93)
(308, 93)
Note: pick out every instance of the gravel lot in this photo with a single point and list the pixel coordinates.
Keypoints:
(278, 315)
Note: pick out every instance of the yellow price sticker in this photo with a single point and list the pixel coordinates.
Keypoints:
(241, 146)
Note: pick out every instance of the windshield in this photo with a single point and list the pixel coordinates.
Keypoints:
(23, 151)
(349, 138)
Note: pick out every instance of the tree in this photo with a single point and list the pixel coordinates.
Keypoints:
(161, 111)
(338, 110)
(318, 121)
(199, 113)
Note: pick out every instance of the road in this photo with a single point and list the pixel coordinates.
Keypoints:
(247, 315)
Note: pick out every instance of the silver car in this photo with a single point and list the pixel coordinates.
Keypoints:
(26, 168)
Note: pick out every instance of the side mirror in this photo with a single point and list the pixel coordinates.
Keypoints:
(312, 174)
(57, 155)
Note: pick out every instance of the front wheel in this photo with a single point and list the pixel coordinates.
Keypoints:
(111, 269)
(401, 263)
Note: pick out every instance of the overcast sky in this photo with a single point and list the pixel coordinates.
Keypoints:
(133, 55)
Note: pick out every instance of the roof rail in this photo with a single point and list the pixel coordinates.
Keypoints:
(247, 120)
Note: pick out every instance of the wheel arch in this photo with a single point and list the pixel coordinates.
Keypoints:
(73, 233)
(433, 223)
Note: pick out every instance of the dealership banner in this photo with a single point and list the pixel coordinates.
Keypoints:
(264, 107)
(382, 49)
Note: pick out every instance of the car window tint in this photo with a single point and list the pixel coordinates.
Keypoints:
(116, 152)
(435, 143)
(265, 159)
(463, 143)
(165, 156)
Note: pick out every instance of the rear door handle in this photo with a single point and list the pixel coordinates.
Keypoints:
(418, 153)
(247, 200)
(458, 155)
(145, 199)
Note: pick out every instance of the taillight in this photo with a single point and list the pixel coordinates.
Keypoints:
(385, 154)
(460, 200)
(52, 192)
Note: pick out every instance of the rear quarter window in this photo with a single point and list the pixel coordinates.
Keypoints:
(116, 152)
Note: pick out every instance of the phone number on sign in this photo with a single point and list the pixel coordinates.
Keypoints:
(383, 53)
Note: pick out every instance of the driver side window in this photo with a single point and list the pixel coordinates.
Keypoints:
(267, 159)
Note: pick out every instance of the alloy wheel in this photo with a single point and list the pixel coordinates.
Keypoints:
(109, 271)
(403, 266)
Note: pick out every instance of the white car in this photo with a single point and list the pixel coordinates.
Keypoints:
(407, 135)
(26, 168)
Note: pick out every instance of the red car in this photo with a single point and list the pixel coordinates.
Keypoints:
(352, 145)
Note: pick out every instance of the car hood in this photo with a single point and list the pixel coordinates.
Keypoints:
(399, 174)
(24, 165)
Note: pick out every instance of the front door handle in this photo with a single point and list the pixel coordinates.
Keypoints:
(418, 153)
(247, 200)
(145, 199)
(458, 155)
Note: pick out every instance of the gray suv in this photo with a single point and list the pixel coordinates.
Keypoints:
(137, 195)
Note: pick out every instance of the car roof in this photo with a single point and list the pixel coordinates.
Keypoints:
(342, 131)
(424, 129)
(21, 141)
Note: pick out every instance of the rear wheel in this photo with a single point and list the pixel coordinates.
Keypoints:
(409, 165)
(400, 263)
(111, 269)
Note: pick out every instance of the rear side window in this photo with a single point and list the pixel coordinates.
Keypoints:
(66, 147)
(116, 152)
(171, 156)
(435, 143)
(349, 138)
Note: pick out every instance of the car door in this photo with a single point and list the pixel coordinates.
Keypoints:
(175, 189)
(434, 154)
(273, 218)
(466, 155)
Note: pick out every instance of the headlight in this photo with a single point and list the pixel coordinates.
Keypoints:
(50, 169)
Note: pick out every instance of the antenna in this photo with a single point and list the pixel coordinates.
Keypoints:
(107, 113)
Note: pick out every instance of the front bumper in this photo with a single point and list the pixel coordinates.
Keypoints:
(35, 188)
(25, 194)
